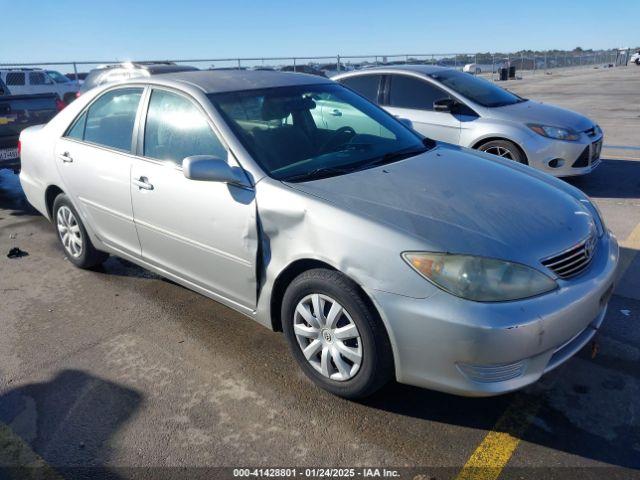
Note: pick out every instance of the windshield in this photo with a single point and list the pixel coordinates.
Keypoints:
(301, 133)
(476, 89)
(57, 76)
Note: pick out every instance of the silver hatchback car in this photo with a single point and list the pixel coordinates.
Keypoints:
(379, 253)
(456, 107)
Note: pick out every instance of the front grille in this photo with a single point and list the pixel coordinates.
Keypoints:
(492, 373)
(573, 261)
(583, 159)
(589, 155)
(596, 149)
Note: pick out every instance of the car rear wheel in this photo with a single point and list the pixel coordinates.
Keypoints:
(504, 149)
(336, 337)
(69, 97)
(72, 235)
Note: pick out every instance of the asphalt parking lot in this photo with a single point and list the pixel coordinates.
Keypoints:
(119, 369)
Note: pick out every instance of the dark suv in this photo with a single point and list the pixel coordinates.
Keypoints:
(123, 71)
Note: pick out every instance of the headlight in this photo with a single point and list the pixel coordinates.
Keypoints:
(479, 278)
(595, 213)
(556, 133)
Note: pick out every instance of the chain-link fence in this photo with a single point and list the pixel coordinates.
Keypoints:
(485, 64)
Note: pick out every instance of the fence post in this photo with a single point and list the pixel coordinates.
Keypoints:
(75, 72)
(294, 64)
(545, 62)
(493, 65)
(338, 63)
(534, 63)
(239, 64)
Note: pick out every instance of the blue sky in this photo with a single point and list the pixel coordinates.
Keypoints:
(62, 30)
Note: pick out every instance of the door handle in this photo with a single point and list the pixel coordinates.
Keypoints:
(65, 157)
(142, 183)
(335, 113)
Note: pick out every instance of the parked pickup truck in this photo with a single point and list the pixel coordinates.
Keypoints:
(18, 112)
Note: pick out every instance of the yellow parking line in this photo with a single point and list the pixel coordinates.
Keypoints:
(497, 447)
(16, 453)
(619, 157)
(494, 452)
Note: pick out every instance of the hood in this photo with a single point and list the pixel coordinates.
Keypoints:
(536, 112)
(458, 201)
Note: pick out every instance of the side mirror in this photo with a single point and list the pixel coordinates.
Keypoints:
(208, 168)
(444, 105)
(406, 122)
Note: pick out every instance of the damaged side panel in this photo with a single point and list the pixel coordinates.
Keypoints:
(295, 226)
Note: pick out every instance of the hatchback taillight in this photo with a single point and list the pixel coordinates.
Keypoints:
(19, 147)
(60, 105)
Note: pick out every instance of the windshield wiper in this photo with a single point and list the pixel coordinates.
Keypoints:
(398, 155)
(321, 172)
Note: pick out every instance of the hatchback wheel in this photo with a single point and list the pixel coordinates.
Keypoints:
(73, 236)
(336, 337)
(504, 149)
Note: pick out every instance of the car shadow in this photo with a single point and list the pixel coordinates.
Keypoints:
(68, 422)
(614, 178)
(12, 197)
(124, 268)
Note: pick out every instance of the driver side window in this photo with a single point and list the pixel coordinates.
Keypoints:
(176, 129)
(413, 93)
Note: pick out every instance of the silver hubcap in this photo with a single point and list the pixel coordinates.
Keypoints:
(500, 151)
(328, 337)
(69, 232)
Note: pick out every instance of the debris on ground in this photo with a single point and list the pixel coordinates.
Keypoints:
(15, 252)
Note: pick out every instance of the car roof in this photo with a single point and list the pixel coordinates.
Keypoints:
(424, 69)
(218, 81)
(150, 67)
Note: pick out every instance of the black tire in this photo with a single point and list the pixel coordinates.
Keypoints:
(495, 147)
(376, 367)
(88, 257)
(69, 98)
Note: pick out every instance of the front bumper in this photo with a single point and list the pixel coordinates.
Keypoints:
(562, 158)
(479, 349)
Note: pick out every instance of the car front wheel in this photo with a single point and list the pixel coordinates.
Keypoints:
(335, 335)
(504, 149)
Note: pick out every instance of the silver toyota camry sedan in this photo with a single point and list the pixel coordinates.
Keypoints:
(456, 107)
(379, 253)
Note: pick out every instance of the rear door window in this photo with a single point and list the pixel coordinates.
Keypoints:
(77, 130)
(15, 78)
(110, 119)
(365, 85)
(413, 93)
(37, 78)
